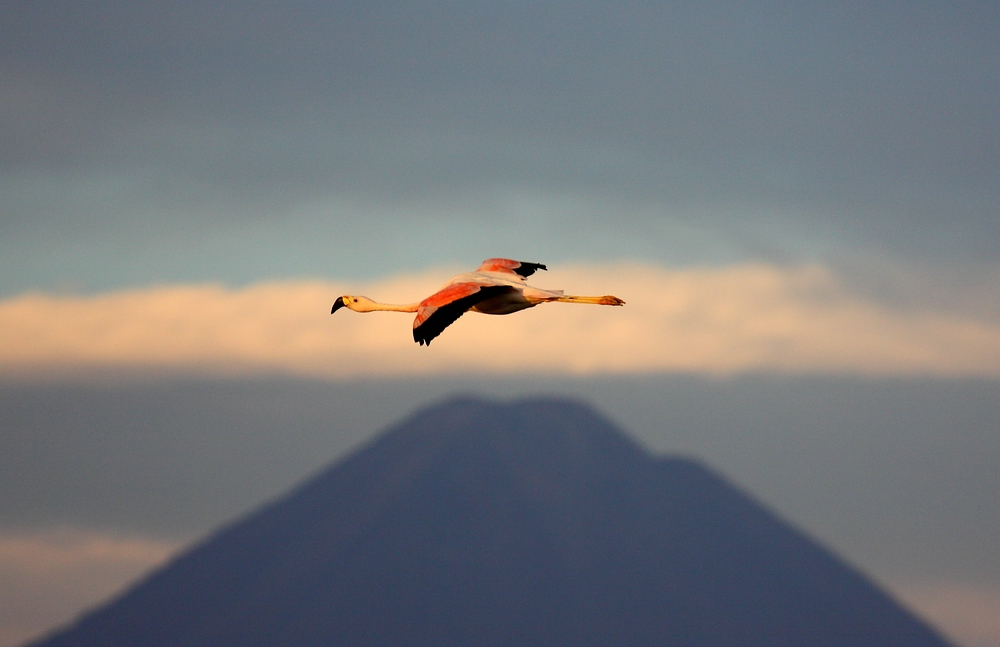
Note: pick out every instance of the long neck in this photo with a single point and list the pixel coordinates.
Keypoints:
(375, 306)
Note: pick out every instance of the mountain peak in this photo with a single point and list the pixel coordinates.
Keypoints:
(530, 522)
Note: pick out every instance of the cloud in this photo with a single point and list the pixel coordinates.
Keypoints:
(47, 576)
(720, 321)
(967, 613)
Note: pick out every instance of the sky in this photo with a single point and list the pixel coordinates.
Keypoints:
(783, 194)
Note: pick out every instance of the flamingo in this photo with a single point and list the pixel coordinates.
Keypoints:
(497, 287)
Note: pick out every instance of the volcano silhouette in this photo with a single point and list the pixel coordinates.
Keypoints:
(526, 523)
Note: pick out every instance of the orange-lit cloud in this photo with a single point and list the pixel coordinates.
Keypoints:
(717, 321)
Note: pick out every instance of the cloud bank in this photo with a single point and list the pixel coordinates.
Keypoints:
(720, 321)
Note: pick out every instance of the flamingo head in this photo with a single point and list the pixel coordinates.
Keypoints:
(357, 304)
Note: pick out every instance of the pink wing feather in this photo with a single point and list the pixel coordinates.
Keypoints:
(509, 266)
(441, 309)
(441, 298)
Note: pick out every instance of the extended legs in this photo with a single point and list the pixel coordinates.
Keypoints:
(606, 300)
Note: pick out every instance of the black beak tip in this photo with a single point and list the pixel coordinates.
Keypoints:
(337, 305)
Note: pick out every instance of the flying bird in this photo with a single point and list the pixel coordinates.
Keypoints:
(497, 287)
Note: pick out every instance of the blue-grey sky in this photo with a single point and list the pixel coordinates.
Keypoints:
(159, 142)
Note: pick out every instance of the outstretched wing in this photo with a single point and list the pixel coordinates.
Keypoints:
(443, 308)
(521, 268)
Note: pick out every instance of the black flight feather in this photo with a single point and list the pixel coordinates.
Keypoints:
(448, 314)
(527, 269)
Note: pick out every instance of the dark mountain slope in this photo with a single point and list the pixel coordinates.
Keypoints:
(529, 523)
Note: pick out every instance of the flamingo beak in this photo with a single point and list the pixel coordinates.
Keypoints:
(337, 305)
